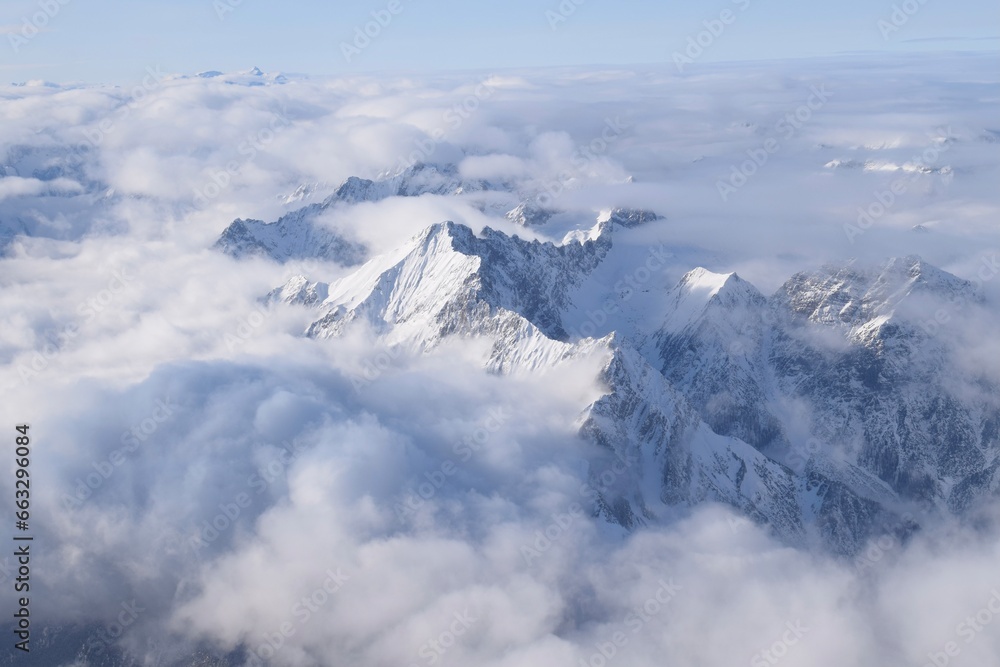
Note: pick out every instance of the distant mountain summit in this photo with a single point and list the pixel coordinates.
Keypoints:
(298, 235)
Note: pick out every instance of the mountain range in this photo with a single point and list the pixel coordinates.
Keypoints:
(832, 410)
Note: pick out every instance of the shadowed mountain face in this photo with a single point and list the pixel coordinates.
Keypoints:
(892, 399)
(294, 236)
(823, 411)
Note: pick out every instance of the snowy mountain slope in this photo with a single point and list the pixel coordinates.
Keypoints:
(844, 368)
(830, 384)
(643, 418)
(299, 291)
(415, 181)
(858, 348)
(529, 214)
(448, 281)
(673, 458)
(447, 267)
(711, 346)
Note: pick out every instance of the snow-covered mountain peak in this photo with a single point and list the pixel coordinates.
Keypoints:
(699, 375)
(450, 280)
(699, 290)
(691, 297)
(902, 289)
(913, 273)
(293, 236)
(701, 280)
(529, 214)
(299, 291)
(607, 222)
(418, 179)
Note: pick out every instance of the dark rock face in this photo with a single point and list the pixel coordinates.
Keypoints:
(631, 217)
(892, 393)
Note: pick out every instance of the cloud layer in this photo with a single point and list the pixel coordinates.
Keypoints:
(209, 481)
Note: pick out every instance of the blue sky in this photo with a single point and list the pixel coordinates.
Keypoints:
(116, 40)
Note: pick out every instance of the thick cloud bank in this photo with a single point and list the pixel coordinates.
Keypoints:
(212, 487)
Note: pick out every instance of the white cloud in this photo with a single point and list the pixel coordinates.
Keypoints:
(117, 303)
(15, 186)
(493, 167)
